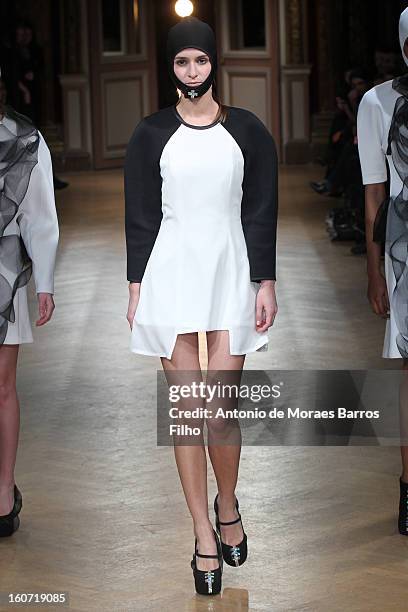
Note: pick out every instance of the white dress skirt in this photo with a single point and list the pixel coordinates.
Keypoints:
(197, 276)
(374, 118)
(36, 222)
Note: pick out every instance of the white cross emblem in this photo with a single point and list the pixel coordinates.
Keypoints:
(209, 579)
(192, 93)
(235, 554)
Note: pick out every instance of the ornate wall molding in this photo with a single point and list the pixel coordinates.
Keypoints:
(74, 79)
(295, 39)
(294, 81)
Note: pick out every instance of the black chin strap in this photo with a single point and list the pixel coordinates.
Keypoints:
(191, 92)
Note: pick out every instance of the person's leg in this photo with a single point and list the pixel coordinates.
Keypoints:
(334, 153)
(191, 460)
(404, 449)
(225, 457)
(403, 480)
(337, 180)
(9, 425)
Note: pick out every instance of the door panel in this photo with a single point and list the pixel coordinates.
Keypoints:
(249, 58)
(123, 69)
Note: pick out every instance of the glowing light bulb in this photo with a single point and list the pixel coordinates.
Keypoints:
(183, 8)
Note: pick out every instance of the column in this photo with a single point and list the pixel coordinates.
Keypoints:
(294, 81)
(75, 85)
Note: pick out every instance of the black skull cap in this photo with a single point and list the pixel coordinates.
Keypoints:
(191, 32)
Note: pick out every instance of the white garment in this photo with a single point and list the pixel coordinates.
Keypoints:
(200, 239)
(373, 123)
(403, 32)
(39, 231)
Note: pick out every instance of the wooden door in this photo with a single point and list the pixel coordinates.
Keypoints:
(123, 74)
(249, 58)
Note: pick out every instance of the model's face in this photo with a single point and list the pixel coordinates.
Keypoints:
(192, 66)
(347, 76)
(359, 85)
(3, 93)
(20, 35)
(3, 97)
(28, 36)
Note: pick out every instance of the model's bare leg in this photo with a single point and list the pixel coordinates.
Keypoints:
(404, 449)
(9, 424)
(225, 457)
(191, 460)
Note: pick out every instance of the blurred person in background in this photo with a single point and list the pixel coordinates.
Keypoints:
(343, 137)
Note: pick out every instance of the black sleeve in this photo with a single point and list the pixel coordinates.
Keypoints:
(259, 208)
(143, 205)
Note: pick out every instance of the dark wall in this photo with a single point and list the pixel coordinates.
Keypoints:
(360, 28)
(43, 16)
(353, 32)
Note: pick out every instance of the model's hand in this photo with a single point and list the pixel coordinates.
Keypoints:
(134, 291)
(378, 295)
(341, 104)
(266, 305)
(45, 308)
(26, 93)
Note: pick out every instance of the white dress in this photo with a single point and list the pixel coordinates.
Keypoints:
(195, 272)
(373, 124)
(38, 226)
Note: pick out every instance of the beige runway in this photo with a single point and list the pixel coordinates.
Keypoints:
(104, 517)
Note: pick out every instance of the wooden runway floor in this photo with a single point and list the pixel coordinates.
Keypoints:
(104, 517)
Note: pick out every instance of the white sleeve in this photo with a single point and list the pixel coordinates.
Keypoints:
(39, 222)
(370, 134)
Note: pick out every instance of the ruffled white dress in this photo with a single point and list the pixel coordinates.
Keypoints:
(38, 226)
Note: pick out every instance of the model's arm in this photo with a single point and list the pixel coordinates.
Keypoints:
(39, 223)
(143, 209)
(377, 293)
(143, 212)
(39, 230)
(259, 208)
(370, 136)
(259, 212)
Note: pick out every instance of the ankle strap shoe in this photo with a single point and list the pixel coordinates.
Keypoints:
(9, 523)
(403, 508)
(233, 555)
(208, 582)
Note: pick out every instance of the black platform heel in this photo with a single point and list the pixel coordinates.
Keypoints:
(208, 582)
(403, 509)
(9, 523)
(233, 555)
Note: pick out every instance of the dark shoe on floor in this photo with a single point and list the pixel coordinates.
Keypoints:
(320, 188)
(360, 248)
(233, 555)
(58, 184)
(403, 509)
(9, 523)
(208, 582)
